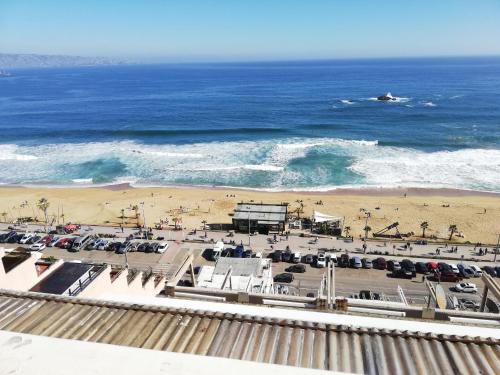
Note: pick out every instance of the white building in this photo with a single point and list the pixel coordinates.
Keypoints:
(253, 275)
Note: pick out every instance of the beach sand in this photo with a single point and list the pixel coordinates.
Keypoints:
(103, 205)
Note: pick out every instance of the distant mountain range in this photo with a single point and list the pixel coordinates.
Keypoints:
(8, 61)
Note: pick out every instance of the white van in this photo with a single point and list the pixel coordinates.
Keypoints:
(81, 242)
(297, 257)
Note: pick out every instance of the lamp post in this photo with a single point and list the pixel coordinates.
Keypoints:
(496, 249)
(144, 220)
(366, 224)
(248, 229)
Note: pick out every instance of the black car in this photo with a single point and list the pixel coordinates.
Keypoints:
(277, 256)
(421, 267)
(152, 247)
(247, 254)
(114, 246)
(490, 271)
(287, 256)
(444, 267)
(283, 278)
(298, 268)
(309, 259)
(497, 269)
(15, 238)
(343, 261)
(402, 274)
(408, 265)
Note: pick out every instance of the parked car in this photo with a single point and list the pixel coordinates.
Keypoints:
(421, 267)
(407, 265)
(34, 239)
(309, 259)
(162, 247)
(25, 238)
(477, 271)
(238, 251)
(469, 304)
(53, 241)
(114, 246)
(277, 256)
(283, 278)
(321, 260)
(355, 262)
(465, 271)
(402, 273)
(380, 263)
(247, 254)
(446, 276)
(103, 245)
(432, 266)
(62, 242)
(46, 239)
(466, 288)
(297, 257)
(123, 248)
(143, 246)
(490, 271)
(343, 261)
(367, 263)
(152, 247)
(298, 268)
(393, 265)
(454, 268)
(287, 256)
(37, 246)
(497, 270)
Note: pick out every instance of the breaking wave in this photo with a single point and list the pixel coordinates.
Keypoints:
(293, 163)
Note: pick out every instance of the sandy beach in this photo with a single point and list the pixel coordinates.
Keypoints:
(475, 214)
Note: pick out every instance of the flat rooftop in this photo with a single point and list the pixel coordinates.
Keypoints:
(14, 258)
(238, 266)
(63, 278)
(261, 207)
(298, 343)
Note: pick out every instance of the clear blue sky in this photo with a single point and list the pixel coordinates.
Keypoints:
(186, 30)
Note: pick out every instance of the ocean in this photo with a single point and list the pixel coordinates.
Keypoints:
(275, 126)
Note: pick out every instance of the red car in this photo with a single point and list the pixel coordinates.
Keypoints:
(45, 240)
(446, 277)
(432, 266)
(62, 242)
(379, 263)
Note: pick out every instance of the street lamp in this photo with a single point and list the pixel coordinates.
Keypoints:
(496, 249)
(367, 213)
(144, 219)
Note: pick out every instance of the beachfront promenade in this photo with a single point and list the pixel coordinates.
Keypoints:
(389, 249)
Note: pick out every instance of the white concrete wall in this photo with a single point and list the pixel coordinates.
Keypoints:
(24, 276)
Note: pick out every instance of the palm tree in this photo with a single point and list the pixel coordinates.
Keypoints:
(424, 225)
(452, 229)
(347, 230)
(175, 220)
(43, 205)
(135, 208)
(4, 216)
(367, 229)
(204, 222)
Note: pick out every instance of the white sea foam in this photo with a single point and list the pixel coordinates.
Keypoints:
(347, 101)
(429, 104)
(233, 163)
(11, 152)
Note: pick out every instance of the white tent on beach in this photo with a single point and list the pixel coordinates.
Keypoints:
(333, 223)
(319, 217)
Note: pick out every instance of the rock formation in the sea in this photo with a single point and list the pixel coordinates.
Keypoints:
(386, 97)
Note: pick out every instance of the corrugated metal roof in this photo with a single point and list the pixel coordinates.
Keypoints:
(287, 342)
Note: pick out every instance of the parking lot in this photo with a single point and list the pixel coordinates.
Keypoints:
(349, 281)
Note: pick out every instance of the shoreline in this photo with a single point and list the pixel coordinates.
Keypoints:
(362, 190)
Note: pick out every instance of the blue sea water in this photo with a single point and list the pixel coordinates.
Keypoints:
(283, 125)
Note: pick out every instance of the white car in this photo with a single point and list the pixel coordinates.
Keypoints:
(297, 257)
(37, 246)
(478, 272)
(26, 237)
(258, 254)
(466, 288)
(321, 260)
(102, 245)
(162, 248)
(454, 268)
